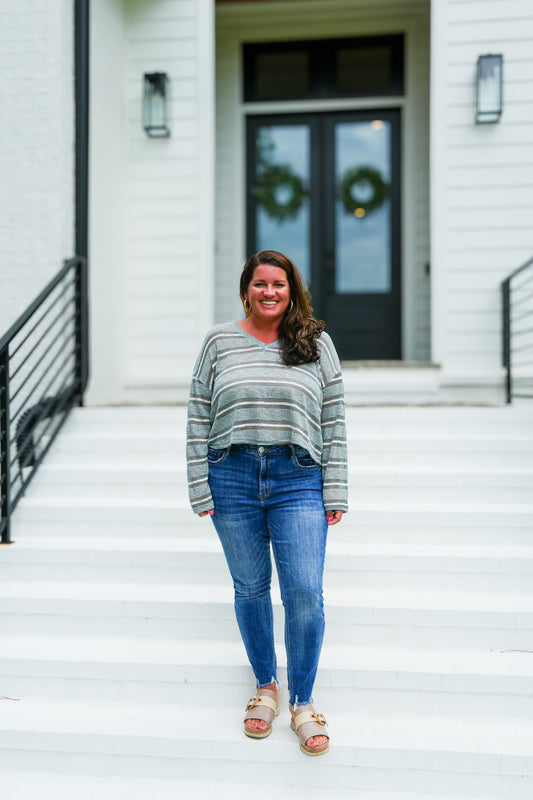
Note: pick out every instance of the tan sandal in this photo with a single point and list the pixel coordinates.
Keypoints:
(263, 706)
(307, 724)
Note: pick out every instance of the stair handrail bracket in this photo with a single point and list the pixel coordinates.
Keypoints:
(517, 331)
(43, 374)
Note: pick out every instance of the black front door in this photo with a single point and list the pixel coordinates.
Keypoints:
(325, 189)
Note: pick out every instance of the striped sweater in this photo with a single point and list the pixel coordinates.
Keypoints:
(242, 393)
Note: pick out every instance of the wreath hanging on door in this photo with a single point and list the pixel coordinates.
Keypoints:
(267, 192)
(363, 175)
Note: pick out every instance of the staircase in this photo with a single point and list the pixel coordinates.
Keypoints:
(121, 670)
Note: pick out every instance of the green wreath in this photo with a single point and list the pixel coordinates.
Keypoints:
(271, 179)
(351, 178)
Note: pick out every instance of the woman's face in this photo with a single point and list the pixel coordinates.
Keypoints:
(268, 293)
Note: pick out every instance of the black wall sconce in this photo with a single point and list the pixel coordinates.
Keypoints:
(489, 88)
(155, 104)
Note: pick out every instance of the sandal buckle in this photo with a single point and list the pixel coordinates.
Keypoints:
(319, 718)
(253, 702)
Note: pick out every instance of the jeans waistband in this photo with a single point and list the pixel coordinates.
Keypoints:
(261, 448)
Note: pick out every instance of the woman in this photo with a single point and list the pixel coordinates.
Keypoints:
(266, 454)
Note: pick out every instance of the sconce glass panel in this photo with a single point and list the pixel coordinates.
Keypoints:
(155, 104)
(489, 88)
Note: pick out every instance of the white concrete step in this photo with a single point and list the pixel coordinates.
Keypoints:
(374, 448)
(440, 485)
(116, 618)
(457, 484)
(417, 618)
(393, 448)
(397, 383)
(142, 431)
(446, 568)
(54, 786)
(93, 447)
(49, 786)
(109, 480)
(402, 752)
(165, 418)
(430, 523)
(138, 518)
(380, 679)
(365, 565)
(495, 420)
(149, 428)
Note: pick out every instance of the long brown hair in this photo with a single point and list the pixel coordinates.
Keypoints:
(298, 330)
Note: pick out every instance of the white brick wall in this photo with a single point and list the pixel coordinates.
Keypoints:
(36, 151)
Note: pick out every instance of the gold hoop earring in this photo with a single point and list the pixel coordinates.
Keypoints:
(290, 307)
(247, 307)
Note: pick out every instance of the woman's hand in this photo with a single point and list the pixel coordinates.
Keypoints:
(333, 517)
(211, 512)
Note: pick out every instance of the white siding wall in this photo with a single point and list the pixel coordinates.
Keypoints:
(481, 179)
(36, 153)
(152, 236)
(311, 19)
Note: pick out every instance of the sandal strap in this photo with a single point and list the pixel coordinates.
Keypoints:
(262, 700)
(309, 717)
(308, 724)
(263, 706)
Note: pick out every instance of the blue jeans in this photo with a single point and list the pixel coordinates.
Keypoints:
(265, 495)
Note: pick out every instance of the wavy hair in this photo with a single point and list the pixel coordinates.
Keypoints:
(298, 330)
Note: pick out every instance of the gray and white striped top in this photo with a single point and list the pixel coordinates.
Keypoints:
(242, 393)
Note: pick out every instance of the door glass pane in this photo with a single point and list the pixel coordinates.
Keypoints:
(349, 67)
(363, 70)
(281, 76)
(362, 207)
(281, 192)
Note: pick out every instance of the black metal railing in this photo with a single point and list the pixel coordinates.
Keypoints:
(517, 308)
(43, 374)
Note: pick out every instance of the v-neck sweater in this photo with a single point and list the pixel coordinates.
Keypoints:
(243, 393)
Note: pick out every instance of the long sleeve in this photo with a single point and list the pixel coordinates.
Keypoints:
(198, 429)
(334, 446)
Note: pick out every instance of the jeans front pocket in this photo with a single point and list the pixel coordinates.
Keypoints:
(216, 456)
(302, 458)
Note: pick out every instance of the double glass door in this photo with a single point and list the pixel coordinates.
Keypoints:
(324, 188)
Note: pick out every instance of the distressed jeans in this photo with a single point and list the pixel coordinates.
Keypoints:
(267, 496)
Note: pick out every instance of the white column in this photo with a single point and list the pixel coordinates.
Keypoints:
(106, 202)
(437, 183)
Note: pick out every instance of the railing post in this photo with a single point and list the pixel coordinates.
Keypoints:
(5, 457)
(506, 333)
(82, 329)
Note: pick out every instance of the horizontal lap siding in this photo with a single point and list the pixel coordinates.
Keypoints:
(482, 176)
(168, 225)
